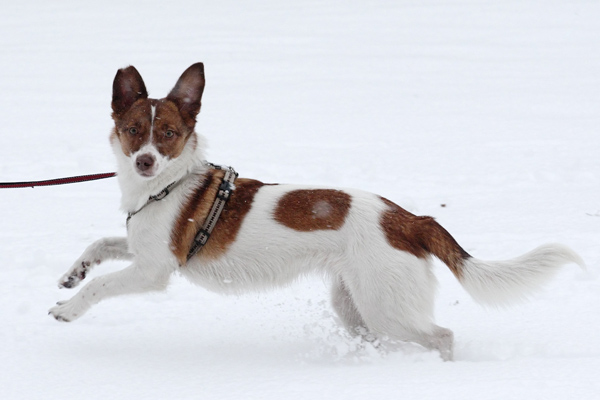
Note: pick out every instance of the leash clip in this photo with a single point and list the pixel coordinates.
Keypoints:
(225, 189)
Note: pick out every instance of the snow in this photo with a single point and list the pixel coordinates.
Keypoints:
(490, 108)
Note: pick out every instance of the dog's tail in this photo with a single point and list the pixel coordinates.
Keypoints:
(499, 283)
(504, 282)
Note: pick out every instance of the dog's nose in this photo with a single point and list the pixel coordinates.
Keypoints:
(144, 162)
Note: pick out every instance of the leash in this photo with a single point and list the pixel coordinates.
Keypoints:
(59, 181)
(226, 188)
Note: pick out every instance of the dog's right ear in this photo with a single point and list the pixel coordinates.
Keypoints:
(128, 87)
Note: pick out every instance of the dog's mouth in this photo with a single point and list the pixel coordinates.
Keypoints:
(145, 174)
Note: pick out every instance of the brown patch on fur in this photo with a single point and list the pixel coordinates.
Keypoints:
(311, 210)
(421, 236)
(194, 213)
(169, 130)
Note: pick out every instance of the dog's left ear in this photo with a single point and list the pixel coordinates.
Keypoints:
(187, 93)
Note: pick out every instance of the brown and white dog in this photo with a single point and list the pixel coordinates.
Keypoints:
(377, 255)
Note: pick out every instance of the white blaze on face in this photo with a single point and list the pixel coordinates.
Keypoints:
(152, 118)
(147, 161)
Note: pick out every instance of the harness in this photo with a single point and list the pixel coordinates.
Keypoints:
(226, 188)
(223, 194)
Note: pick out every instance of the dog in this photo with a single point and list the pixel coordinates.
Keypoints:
(377, 255)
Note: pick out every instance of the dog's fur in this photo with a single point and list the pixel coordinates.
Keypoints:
(377, 255)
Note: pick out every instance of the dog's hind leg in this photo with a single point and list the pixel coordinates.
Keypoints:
(394, 294)
(131, 280)
(101, 250)
(440, 339)
(344, 306)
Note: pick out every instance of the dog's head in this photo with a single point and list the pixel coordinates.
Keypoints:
(153, 132)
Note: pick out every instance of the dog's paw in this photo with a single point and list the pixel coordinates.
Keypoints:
(75, 275)
(63, 311)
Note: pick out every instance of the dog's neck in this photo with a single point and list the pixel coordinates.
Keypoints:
(135, 190)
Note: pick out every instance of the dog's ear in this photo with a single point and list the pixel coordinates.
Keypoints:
(187, 93)
(128, 87)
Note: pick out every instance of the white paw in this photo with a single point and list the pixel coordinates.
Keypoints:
(65, 311)
(76, 274)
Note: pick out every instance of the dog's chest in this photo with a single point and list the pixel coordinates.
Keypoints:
(149, 231)
(166, 228)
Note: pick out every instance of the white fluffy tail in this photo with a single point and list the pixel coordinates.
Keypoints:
(501, 283)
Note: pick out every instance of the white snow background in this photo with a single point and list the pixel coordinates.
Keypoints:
(483, 114)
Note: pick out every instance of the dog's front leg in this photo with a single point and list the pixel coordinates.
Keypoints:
(133, 279)
(101, 250)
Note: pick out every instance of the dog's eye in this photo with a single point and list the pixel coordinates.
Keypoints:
(133, 130)
(169, 134)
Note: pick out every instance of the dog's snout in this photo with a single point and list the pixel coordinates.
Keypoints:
(144, 162)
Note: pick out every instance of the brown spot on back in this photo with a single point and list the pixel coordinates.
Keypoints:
(194, 213)
(311, 210)
(421, 236)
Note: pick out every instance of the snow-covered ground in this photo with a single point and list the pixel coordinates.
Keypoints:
(483, 114)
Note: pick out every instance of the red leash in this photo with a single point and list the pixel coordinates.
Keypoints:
(59, 181)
